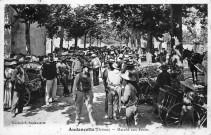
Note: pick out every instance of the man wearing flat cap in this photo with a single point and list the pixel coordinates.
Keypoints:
(82, 92)
(96, 64)
(104, 77)
(49, 74)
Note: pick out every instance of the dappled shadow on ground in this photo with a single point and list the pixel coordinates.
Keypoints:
(145, 117)
(38, 105)
(66, 108)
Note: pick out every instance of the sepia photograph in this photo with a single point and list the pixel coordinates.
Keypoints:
(110, 68)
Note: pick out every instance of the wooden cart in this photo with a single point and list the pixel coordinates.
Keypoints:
(33, 81)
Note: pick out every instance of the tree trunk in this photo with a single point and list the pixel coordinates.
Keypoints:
(176, 20)
(85, 41)
(160, 46)
(131, 41)
(27, 37)
(127, 41)
(149, 42)
(45, 41)
(100, 42)
(90, 42)
(76, 39)
(97, 42)
(138, 39)
(51, 45)
(134, 42)
(61, 38)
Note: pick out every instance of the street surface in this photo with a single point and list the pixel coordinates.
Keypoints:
(60, 116)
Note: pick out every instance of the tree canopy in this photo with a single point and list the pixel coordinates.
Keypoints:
(116, 22)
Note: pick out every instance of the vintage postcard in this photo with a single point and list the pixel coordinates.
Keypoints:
(105, 67)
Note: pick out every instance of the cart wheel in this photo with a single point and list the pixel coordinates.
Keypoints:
(200, 115)
(173, 116)
(27, 97)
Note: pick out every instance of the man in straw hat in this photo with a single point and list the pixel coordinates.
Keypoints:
(131, 67)
(82, 92)
(96, 65)
(18, 78)
(104, 77)
(76, 68)
(64, 71)
(114, 88)
(129, 98)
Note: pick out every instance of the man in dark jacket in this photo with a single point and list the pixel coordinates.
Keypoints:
(49, 74)
(164, 78)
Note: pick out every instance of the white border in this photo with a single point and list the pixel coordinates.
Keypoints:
(49, 129)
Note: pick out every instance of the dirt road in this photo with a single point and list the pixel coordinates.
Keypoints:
(60, 116)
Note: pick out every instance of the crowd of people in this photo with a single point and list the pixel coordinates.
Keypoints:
(120, 78)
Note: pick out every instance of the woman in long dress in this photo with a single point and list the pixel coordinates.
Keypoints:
(8, 88)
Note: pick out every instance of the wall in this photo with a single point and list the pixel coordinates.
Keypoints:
(15, 37)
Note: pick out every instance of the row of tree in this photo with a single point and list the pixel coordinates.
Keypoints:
(104, 22)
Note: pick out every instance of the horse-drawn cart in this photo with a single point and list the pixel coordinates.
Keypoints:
(166, 99)
(179, 108)
(33, 81)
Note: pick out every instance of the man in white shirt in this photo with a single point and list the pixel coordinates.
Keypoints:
(95, 64)
(114, 88)
(149, 57)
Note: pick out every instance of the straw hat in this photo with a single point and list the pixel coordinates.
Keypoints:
(111, 60)
(93, 55)
(130, 63)
(10, 63)
(112, 52)
(128, 76)
(45, 59)
(164, 67)
(126, 56)
(115, 66)
(56, 59)
(22, 59)
(121, 55)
